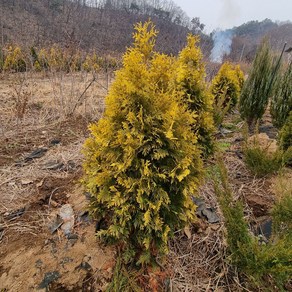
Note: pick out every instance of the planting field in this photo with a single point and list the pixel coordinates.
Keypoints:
(43, 125)
(141, 152)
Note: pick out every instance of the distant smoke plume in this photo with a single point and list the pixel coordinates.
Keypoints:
(230, 12)
(222, 45)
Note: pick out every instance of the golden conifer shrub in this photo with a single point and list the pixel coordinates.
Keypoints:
(43, 59)
(190, 81)
(91, 63)
(226, 87)
(141, 160)
(55, 58)
(74, 61)
(14, 60)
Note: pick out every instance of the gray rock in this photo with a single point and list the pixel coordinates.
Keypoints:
(84, 266)
(72, 236)
(14, 214)
(264, 229)
(211, 216)
(48, 279)
(38, 153)
(67, 214)
(204, 212)
(56, 224)
(53, 165)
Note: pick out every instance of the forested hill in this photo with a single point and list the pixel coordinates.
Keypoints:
(247, 36)
(106, 26)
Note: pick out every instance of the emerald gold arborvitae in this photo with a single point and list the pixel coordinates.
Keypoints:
(141, 160)
(15, 60)
(226, 88)
(190, 81)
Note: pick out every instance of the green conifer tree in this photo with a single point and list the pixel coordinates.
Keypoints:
(285, 135)
(141, 160)
(281, 104)
(258, 87)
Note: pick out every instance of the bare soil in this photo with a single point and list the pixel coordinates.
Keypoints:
(32, 191)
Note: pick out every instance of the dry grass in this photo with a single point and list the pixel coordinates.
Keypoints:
(201, 263)
(18, 183)
(282, 184)
(34, 101)
(33, 112)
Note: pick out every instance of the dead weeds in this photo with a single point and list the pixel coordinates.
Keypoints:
(33, 190)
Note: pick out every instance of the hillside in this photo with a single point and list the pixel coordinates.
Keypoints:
(107, 26)
(104, 28)
(247, 36)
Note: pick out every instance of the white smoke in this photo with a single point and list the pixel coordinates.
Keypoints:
(222, 44)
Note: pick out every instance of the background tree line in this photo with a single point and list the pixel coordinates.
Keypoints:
(106, 26)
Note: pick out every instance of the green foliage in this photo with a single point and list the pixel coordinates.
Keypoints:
(33, 54)
(260, 162)
(220, 109)
(281, 104)
(141, 160)
(35, 60)
(231, 126)
(259, 86)
(285, 140)
(223, 146)
(286, 133)
(260, 159)
(123, 280)
(91, 63)
(190, 81)
(42, 60)
(55, 58)
(282, 216)
(256, 261)
(238, 238)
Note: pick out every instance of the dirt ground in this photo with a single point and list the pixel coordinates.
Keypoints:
(33, 189)
(43, 124)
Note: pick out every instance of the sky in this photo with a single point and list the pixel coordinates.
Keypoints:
(229, 13)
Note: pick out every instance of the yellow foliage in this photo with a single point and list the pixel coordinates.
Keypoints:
(37, 66)
(15, 60)
(228, 83)
(190, 81)
(91, 63)
(142, 161)
(55, 58)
